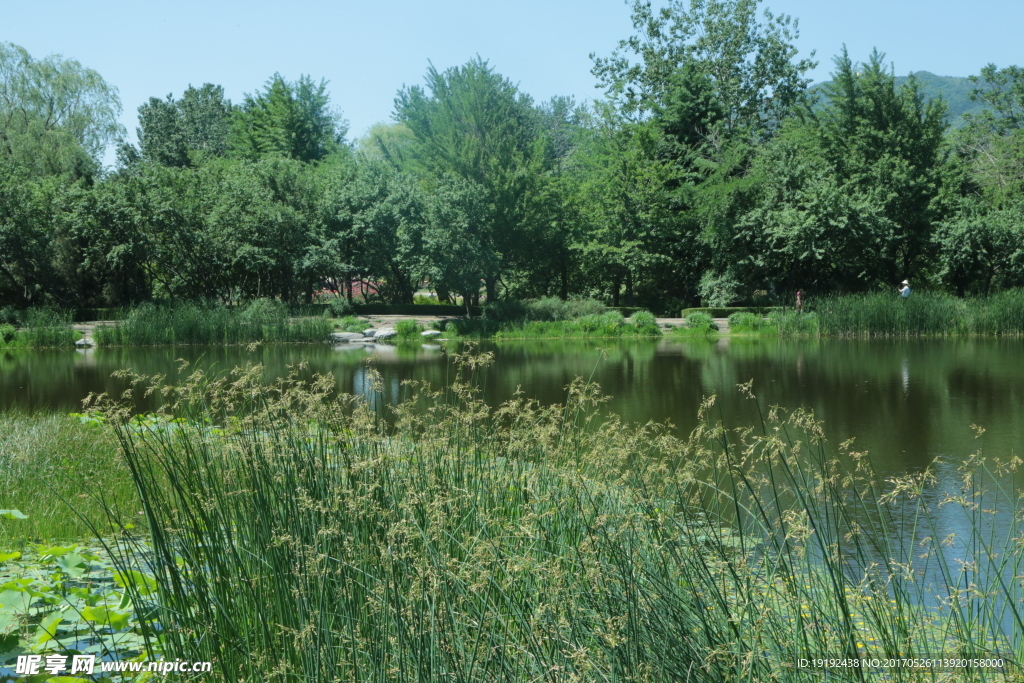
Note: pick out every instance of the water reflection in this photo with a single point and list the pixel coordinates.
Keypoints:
(905, 402)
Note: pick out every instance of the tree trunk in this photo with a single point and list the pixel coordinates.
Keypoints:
(491, 282)
(564, 293)
(629, 287)
(616, 286)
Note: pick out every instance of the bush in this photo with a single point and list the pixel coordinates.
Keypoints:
(7, 333)
(701, 323)
(506, 311)
(644, 320)
(340, 307)
(265, 312)
(10, 316)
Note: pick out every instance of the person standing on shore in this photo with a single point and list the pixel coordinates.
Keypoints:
(904, 289)
(799, 301)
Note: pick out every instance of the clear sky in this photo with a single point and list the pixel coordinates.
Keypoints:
(368, 50)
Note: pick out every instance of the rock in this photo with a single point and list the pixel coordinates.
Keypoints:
(346, 336)
(430, 334)
(385, 333)
(85, 343)
(370, 332)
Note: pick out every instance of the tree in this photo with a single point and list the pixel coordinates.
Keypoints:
(748, 63)
(56, 116)
(624, 203)
(886, 143)
(180, 132)
(472, 123)
(292, 120)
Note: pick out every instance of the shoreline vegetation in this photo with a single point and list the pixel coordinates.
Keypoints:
(267, 321)
(291, 529)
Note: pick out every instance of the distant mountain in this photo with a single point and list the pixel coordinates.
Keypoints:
(955, 90)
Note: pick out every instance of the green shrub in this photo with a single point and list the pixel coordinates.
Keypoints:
(506, 311)
(701, 323)
(10, 316)
(645, 321)
(340, 307)
(751, 323)
(7, 333)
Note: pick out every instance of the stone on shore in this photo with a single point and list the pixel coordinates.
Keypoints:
(385, 333)
(347, 336)
(430, 334)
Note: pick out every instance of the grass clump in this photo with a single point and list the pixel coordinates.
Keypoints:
(351, 323)
(697, 324)
(750, 323)
(262, 320)
(890, 315)
(408, 330)
(479, 544)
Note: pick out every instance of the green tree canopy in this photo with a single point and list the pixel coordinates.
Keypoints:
(56, 116)
(179, 132)
(473, 123)
(288, 119)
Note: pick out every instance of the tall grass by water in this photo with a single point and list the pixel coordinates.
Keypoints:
(41, 328)
(297, 537)
(923, 313)
(189, 323)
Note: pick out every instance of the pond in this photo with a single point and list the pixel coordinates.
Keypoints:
(906, 401)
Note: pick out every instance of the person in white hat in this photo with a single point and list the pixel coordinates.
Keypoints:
(904, 289)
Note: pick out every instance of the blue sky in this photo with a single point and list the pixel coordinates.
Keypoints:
(368, 50)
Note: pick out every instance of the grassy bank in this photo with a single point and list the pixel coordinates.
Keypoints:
(261, 321)
(40, 328)
(47, 459)
(529, 543)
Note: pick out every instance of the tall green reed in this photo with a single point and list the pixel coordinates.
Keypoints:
(920, 314)
(296, 537)
(190, 323)
(42, 328)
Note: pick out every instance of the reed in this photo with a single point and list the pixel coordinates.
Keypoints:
(189, 323)
(922, 314)
(42, 328)
(301, 539)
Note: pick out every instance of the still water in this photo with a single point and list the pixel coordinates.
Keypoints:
(906, 402)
